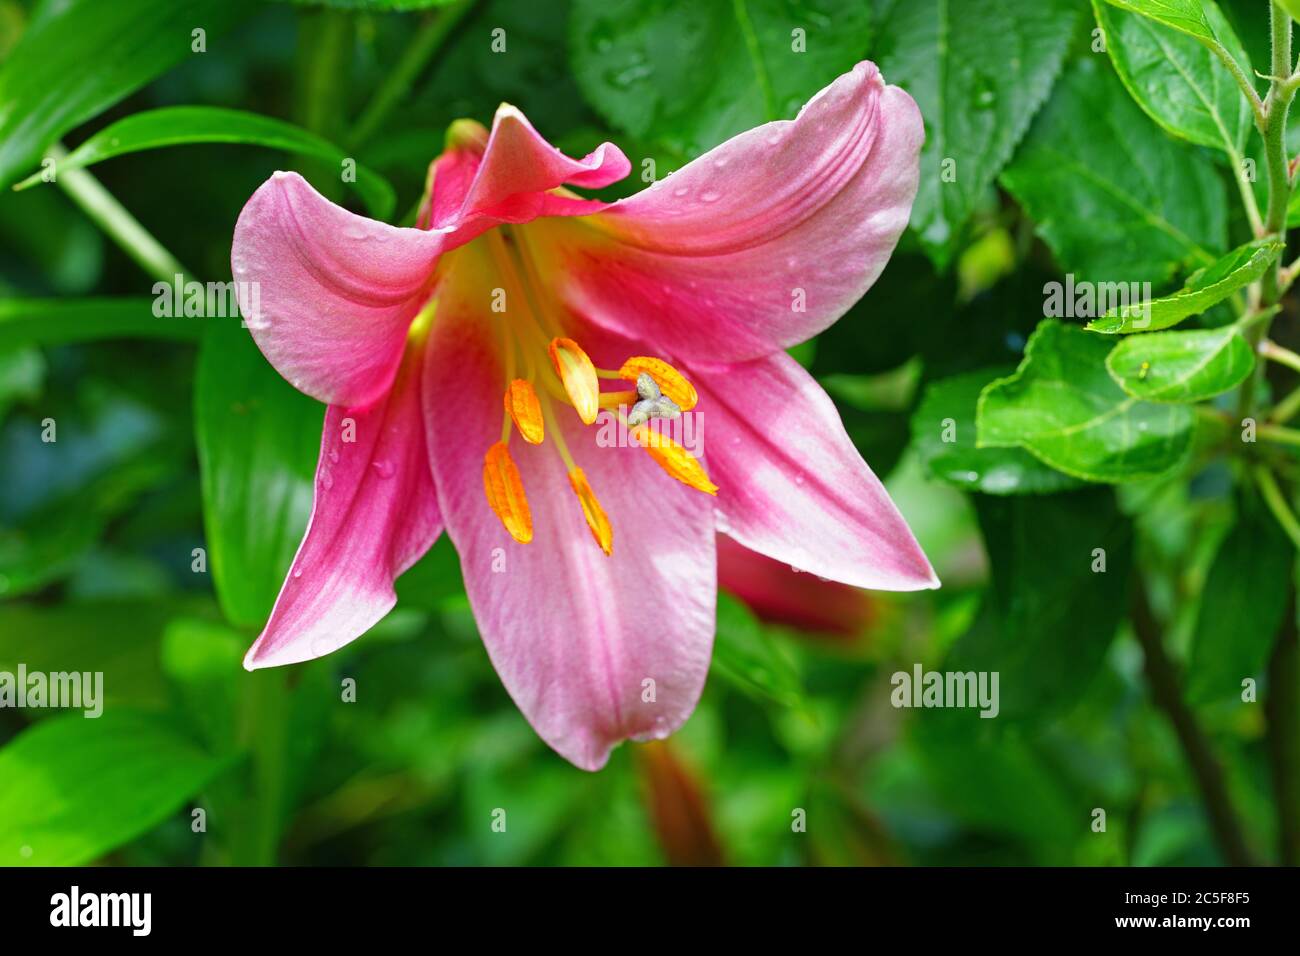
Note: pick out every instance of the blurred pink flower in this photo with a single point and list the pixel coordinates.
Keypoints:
(502, 313)
(780, 594)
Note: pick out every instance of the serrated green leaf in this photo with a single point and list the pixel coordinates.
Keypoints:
(258, 440)
(47, 87)
(1063, 406)
(1181, 366)
(76, 788)
(1186, 16)
(690, 75)
(1052, 613)
(947, 411)
(1205, 288)
(1178, 80)
(1242, 604)
(188, 125)
(976, 108)
(1114, 198)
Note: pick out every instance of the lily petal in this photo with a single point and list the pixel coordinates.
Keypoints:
(793, 487)
(329, 295)
(375, 514)
(762, 242)
(592, 648)
(515, 178)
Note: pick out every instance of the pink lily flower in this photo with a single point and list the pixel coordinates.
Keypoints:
(461, 362)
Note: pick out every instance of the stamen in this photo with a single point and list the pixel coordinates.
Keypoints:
(674, 459)
(505, 493)
(525, 411)
(672, 382)
(579, 377)
(592, 511)
(617, 399)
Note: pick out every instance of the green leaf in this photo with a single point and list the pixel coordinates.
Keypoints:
(690, 75)
(1186, 16)
(56, 321)
(1178, 80)
(747, 657)
(1205, 288)
(976, 107)
(1063, 406)
(58, 496)
(948, 411)
(22, 374)
(185, 125)
(373, 6)
(46, 87)
(76, 788)
(1181, 366)
(1114, 198)
(1242, 604)
(258, 441)
(118, 638)
(1051, 615)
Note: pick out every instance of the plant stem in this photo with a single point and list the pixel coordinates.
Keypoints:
(1243, 81)
(1282, 708)
(427, 41)
(1277, 503)
(1286, 409)
(1208, 774)
(118, 224)
(1277, 434)
(1277, 353)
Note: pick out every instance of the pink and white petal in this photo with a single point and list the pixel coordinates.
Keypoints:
(514, 176)
(761, 243)
(519, 160)
(792, 486)
(375, 514)
(328, 295)
(575, 636)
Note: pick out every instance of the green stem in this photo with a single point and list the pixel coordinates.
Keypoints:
(118, 224)
(1277, 503)
(1243, 81)
(1277, 434)
(426, 43)
(264, 733)
(1282, 708)
(1276, 107)
(1286, 409)
(1208, 774)
(1279, 354)
(325, 57)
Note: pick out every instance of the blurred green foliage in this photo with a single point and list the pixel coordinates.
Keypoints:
(173, 437)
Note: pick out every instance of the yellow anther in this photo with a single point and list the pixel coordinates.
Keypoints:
(592, 511)
(578, 376)
(670, 381)
(505, 493)
(525, 411)
(674, 459)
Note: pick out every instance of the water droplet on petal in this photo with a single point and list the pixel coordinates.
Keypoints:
(383, 468)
